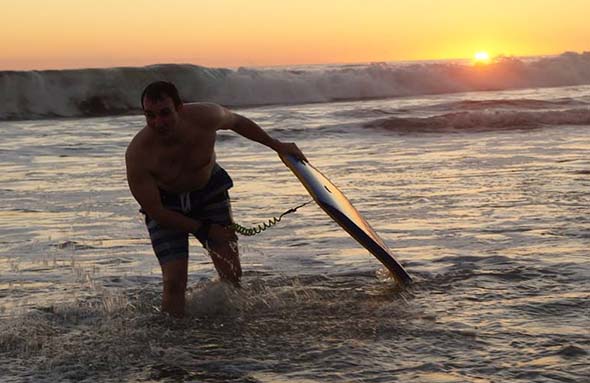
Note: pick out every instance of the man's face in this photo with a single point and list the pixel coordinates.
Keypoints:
(161, 115)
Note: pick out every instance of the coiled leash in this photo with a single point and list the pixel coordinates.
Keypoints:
(250, 231)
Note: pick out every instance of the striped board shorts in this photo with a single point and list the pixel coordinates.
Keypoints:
(210, 205)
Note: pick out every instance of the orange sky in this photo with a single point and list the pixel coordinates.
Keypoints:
(43, 34)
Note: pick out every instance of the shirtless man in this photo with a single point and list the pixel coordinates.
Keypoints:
(172, 173)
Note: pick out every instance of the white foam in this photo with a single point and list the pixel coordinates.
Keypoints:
(213, 299)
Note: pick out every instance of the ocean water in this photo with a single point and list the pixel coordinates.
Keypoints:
(483, 195)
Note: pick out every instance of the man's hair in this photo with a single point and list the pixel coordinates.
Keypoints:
(158, 90)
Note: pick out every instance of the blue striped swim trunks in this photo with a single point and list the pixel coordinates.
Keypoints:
(210, 205)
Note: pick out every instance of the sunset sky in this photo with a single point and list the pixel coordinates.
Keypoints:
(56, 34)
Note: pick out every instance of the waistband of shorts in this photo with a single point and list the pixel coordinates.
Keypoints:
(219, 181)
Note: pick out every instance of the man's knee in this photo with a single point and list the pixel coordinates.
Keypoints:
(227, 252)
(227, 261)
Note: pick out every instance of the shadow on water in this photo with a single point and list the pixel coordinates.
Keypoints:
(342, 327)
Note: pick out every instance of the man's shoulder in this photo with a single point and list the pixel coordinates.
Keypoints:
(204, 114)
(137, 144)
(202, 107)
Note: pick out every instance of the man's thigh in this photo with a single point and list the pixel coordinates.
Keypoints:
(168, 244)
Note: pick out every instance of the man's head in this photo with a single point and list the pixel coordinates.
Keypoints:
(161, 103)
(159, 90)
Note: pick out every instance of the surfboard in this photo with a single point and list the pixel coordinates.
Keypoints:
(341, 210)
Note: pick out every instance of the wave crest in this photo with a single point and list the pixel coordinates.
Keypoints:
(95, 92)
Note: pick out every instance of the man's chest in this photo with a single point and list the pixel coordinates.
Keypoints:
(168, 163)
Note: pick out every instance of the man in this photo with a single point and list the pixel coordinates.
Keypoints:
(173, 174)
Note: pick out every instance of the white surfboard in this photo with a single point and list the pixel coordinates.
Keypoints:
(339, 208)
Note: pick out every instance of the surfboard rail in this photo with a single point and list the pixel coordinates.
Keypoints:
(340, 209)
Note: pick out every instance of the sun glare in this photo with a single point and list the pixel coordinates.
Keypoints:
(481, 57)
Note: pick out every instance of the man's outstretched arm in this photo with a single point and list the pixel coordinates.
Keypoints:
(251, 130)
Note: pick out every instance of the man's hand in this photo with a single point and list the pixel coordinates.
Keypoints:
(285, 148)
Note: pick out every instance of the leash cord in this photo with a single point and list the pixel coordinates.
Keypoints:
(250, 231)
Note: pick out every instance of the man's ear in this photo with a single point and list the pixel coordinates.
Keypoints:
(179, 107)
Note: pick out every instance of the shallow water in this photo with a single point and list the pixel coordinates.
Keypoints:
(487, 210)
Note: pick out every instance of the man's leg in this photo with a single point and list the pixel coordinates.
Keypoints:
(174, 275)
(223, 245)
(171, 248)
(226, 259)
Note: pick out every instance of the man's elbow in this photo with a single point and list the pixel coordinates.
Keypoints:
(157, 213)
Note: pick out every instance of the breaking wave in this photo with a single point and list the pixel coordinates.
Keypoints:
(96, 92)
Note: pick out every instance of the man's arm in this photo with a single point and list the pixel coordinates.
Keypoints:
(251, 130)
(145, 190)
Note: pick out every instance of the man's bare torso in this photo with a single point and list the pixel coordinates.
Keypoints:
(183, 162)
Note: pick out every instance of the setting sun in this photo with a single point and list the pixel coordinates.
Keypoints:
(481, 57)
(266, 33)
